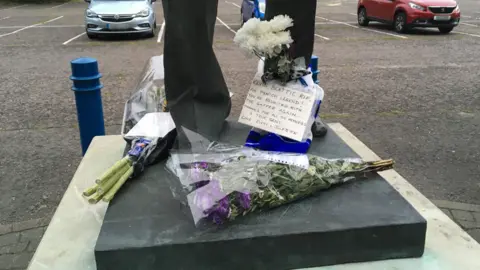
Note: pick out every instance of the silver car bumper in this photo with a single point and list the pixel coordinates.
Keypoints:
(123, 25)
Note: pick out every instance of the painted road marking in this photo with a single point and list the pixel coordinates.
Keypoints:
(326, 38)
(353, 14)
(13, 7)
(362, 28)
(226, 25)
(468, 34)
(233, 4)
(30, 26)
(81, 25)
(334, 4)
(160, 34)
(469, 24)
(42, 26)
(4, 18)
(59, 5)
(75, 37)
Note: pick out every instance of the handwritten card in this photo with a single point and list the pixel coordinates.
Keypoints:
(284, 110)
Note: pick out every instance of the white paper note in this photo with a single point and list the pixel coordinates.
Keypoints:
(284, 110)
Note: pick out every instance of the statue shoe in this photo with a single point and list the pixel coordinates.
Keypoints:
(319, 129)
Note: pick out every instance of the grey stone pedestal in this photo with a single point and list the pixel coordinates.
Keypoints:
(366, 220)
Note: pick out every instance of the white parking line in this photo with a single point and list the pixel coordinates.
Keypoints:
(469, 24)
(226, 25)
(59, 5)
(42, 26)
(232, 4)
(81, 25)
(353, 14)
(30, 26)
(4, 18)
(160, 34)
(75, 37)
(468, 34)
(362, 28)
(465, 16)
(13, 7)
(322, 37)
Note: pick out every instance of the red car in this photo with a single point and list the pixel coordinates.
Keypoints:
(406, 14)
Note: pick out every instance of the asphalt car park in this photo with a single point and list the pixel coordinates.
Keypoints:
(413, 97)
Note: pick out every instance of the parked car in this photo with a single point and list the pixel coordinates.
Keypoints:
(120, 17)
(252, 9)
(406, 14)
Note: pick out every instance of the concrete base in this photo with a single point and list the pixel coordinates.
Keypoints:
(69, 241)
(367, 220)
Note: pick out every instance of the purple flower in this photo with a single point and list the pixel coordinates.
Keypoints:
(220, 212)
(211, 202)
(244, 199)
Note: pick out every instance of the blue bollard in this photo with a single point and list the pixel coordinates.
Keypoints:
(314, 67)
(88, 97)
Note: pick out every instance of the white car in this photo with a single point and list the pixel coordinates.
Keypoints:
(120, 17)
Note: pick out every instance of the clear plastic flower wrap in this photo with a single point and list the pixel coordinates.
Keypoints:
(149, 94)
(220, 182)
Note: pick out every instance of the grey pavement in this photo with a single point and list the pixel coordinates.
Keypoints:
(413, 99)
(465, 215)
(18, 242)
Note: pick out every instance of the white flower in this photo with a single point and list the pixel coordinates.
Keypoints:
(280, 23)
(265, 37)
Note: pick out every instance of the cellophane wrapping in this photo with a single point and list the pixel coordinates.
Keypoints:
(220, 182)
(148, 96)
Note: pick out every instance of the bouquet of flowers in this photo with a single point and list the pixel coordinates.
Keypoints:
(150, 140)
(224, 183)
(271, 41)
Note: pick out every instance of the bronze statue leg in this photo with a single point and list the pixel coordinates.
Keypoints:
(197, 95)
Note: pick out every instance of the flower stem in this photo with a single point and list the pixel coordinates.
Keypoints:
(89, 191)
(95, 198)
(112, 170)
(110, 182)
(111, 193)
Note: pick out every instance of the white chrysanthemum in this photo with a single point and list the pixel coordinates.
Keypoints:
(265, 37)
(280, 23)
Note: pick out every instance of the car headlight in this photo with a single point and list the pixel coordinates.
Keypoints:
(262, 6)
(143, 13)
(91, 14)
(457, 9)
(415, 6)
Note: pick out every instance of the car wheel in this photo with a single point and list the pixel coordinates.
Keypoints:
(362, 17)
(91, 36)
(445, 30)
(400, 22)
(152, 34)
(154, 27)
